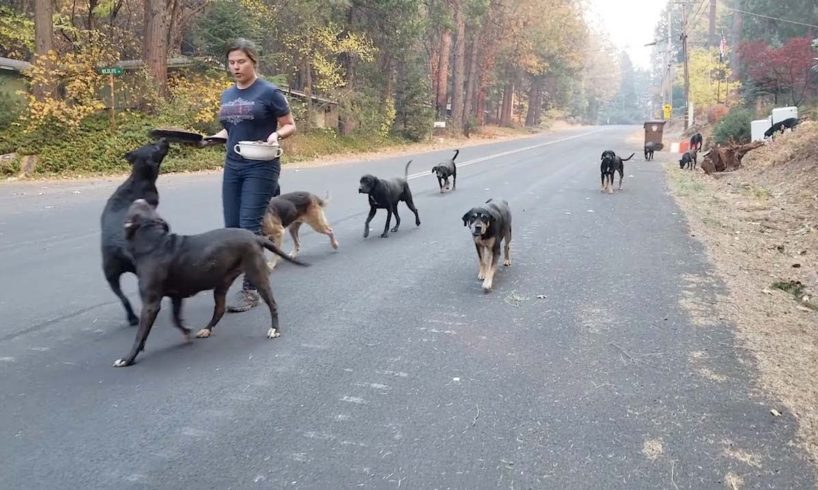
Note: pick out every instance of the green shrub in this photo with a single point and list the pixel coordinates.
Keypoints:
(734, 128)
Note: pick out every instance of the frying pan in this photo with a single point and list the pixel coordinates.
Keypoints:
(177, 135)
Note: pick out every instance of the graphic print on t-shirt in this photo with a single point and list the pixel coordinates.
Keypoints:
(237, 110)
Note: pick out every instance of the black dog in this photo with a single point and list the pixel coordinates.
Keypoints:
(445, 170)
(689, 160)
(696, 142)
(789, 123)
(141, 184)
(489, 225)
(609, 166)
(179, 266)
(650, 147)
(386, 194)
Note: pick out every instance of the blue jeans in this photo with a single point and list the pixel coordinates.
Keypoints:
(246, 189)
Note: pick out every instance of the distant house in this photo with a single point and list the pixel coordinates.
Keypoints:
(12, 80)
(325, 111)
(11, 76)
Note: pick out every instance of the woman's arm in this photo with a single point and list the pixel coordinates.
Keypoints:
(286, 127)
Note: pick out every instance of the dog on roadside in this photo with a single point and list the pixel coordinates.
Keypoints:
(490, 224)
(696, 142)
(650, 147)
(140, 184)
(445, 170)
(288, 211)
(611, 163)
(689, 160)
(780, 126)
(386, 194)
(179, 266)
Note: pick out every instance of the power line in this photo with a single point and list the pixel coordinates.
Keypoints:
(699, 11)
(768, 17)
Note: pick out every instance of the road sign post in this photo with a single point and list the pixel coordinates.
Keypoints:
(112, 71)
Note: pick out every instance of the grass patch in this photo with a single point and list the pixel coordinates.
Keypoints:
(798, 291)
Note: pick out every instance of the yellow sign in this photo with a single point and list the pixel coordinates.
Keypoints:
(667, 110)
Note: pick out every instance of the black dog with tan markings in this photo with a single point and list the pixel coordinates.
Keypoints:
(610, 165)
(490, 224)
(386, 194)
(141, 184)
(179, 266)
(288, 211)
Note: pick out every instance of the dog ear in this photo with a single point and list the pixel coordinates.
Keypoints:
(130, 157)
(603, 155)
(466, 218)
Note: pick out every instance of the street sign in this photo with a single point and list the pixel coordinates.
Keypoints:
(111, 70)
(667, 111)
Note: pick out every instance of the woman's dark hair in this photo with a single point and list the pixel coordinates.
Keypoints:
(246, 46)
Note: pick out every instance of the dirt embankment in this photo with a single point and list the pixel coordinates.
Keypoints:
(759, 225)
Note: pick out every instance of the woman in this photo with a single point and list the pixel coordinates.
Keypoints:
(251, 110)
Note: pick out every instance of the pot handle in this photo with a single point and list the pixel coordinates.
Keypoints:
(279, 152)
(237, 149)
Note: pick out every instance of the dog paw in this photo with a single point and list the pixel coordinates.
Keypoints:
(394, 230)
(480, 277)
(204, 333)
(486, 288)
(384, 235)
(121, 363)
(133, 321)
(273, 333)
(334, 244)
(507, 263)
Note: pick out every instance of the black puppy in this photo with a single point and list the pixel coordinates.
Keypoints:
(489, 225)
(386, 194)
(696, 142)
(445, 170)
(650, 147)
(688, 160)
(141, 184)
(609, 166)
(789, 123)
(179, 266)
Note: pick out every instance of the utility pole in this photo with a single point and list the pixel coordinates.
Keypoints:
(711, 33)
(669, 59)
(684, 55)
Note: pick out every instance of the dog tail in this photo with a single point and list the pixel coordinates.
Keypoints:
(456, 152)
(323, 201)
(406, 170)
(272, 248)
(626, 159)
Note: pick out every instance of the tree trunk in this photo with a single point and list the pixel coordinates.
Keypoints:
(507, 109)
(728, 158)
(43, 39)
(346, 123)
(471, 79)
(442, 98)
(155, 41)
(459, 72)
(532, 118)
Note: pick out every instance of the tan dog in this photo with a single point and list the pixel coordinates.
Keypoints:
(490, 225)
(289, 211)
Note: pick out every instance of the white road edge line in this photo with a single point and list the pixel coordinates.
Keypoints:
(510, 152)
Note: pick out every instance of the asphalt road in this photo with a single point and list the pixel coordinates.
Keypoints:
(580, 370)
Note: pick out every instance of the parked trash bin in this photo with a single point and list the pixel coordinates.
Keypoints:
(653, 133)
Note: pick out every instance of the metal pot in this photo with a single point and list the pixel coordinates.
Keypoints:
(258, 150)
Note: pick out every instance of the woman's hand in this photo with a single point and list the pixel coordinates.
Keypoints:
(273, 138)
